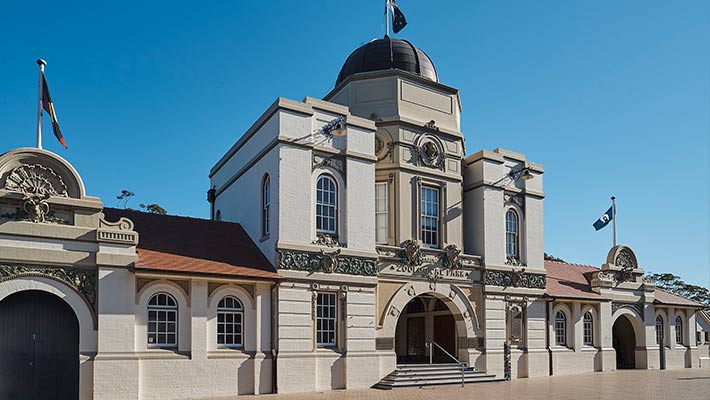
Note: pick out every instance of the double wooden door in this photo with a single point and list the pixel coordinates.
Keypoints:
(39, 348)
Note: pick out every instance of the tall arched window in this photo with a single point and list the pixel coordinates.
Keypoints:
(229, 322)
(326, 205)
(659, 330)
(512, 234)
(162, 321)
(560, 329)
(265, 205)
(679, 330)
(588, 329)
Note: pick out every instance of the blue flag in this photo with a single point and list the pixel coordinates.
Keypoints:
(604, 219)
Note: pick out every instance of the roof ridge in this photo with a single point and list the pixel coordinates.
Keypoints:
(571, 263)
(171, 215)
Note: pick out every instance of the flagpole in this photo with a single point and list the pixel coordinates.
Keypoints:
(41, 64)
(613, 217)
(387, 17)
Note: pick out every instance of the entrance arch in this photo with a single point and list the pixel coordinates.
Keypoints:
(624, 342)
(39, 350)
(426, 318)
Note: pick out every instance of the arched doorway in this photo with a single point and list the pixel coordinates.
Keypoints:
(624, 342)
(39, 347)
(426, 318)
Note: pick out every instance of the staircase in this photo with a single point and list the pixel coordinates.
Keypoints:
(408, 375)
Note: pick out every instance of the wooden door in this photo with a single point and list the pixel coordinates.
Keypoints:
(39, 348)
(416, 349)
(445, 336)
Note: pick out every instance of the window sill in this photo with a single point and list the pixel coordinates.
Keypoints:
(163, 354)
(265, 238)
(561, 349)
(328, 350)
(230, 353)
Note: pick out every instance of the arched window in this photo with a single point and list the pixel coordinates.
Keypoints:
(162, 321)
(512, 236)
(265, 205)
(560, 329)
(326, 205)
(588, 329)
(679, 330)
(230, 315)
(659, 330)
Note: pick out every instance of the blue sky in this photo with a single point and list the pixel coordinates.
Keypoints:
(612, 97)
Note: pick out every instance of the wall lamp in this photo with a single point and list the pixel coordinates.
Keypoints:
(520, 173)
(335, 127)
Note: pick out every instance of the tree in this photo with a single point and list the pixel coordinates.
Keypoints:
(674, 284)
(153, 209)
(550, 257)
(124, 197)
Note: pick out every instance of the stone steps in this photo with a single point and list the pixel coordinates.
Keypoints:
(408, 375)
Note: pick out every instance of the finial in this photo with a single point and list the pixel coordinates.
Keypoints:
(41, 62)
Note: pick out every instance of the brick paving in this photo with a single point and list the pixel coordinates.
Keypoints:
(619, 385)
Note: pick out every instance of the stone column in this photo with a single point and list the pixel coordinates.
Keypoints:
(604, 332)
(578, 327)
(198, 324)
(262, 333)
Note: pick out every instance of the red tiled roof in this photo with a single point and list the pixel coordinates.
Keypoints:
(663, 297)
(190, 245)
(573, 281)
(570, 280)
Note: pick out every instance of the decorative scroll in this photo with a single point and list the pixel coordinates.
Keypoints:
(37, 183)
(638, 307)
(83, 281)
(323, 161)
(513, 261)
(452, 258)
(325, 262)
(411, 253)
(327, 241)
(514, 279)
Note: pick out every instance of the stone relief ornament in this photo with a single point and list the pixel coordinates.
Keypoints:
(327, 241)
(430, 154)
(625, 259)
(638, 307)
(452, 258)
(411, 253)
(326, 161)
(431, 125)
(513, 261)
(323, 262)
(509, 278)
(81, 280)
(329, 262)
(37, 183)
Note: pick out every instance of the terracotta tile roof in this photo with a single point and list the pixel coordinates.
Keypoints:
(570, 280)
(663, 297)
(191, 245)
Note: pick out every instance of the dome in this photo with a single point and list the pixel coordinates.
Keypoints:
(388, 53)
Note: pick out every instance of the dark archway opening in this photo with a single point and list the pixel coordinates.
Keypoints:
(624, 342)
(39, 348)
(425, 319)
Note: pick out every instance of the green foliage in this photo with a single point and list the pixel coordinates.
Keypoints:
(674, 284)
(153, 209)
(550, 257)
(124, 197)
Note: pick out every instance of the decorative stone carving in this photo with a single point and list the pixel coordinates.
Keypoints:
(327, 161)
(508, 278)
(638, 307)
(36, 179)
(37, 183)
(514, 322)
(322, 262)
(431, 154)
(323, 239)
(411, 253)
(513, 261)
(431, 125)
(625, 259)
(329, 262)
(452, 258)
(83, 281)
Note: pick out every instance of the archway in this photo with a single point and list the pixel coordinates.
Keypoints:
(39, 350)
(425, 319)
(624, 342)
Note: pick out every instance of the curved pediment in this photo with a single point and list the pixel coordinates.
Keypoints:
(39, 172)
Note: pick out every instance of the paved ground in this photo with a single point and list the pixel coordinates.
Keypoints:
(620, 385)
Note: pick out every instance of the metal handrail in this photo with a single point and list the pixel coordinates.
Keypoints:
(462, 365)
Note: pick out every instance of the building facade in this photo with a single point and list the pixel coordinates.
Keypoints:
(349, 236)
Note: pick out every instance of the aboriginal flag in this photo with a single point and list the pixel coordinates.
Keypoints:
(48, 106)
(398, 20)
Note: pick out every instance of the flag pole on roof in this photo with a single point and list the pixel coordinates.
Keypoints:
(608, 216)
(398, 19)
(41, 64)
(45, 104)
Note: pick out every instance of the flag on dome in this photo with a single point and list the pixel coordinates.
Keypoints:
(604, 219)
(48, 106)
(398, 19)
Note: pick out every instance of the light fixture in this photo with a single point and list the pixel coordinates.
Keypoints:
(335, 127)
(520, 173)
(526, 176)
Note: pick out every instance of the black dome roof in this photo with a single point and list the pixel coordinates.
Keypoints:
(387, 53)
